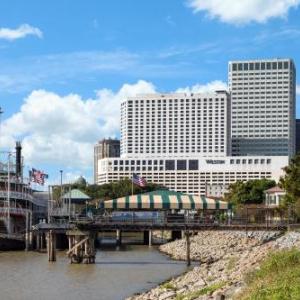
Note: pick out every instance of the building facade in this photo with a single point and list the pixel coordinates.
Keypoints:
(176, 125)
(105, 148)
(263, 95)
(201, 143)
(193, 176)
(297, 135)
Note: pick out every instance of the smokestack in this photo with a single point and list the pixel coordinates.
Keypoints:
(18, 160)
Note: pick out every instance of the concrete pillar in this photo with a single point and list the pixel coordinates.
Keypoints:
(150, 238)
(182, 234)
(119, 237)
(41, 241)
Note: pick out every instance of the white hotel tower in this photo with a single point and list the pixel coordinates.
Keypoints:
(182, 141)
(176, 125)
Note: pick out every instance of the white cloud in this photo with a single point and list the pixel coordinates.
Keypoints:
(20, 32)
(204, 88)
(62, 130)
(243, 11)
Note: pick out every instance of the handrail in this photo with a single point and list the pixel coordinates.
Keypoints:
(174, 221)
(14, 210)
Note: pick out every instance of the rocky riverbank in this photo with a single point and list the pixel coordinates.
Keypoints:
(223, 259)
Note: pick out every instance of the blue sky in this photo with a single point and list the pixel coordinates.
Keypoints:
(75, 60)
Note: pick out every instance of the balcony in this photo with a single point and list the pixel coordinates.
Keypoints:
(16, 195)
(14, 211)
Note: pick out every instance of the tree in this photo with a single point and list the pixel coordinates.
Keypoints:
(291, 182)
(249, 192)
(117, 189)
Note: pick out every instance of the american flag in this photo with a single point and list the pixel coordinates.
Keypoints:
(140, 181)
(37, 176)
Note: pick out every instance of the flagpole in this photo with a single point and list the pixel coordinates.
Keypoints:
(132, 185)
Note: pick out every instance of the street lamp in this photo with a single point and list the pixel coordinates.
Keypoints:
(61, 175)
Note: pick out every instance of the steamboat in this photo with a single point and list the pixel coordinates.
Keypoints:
(19, 208)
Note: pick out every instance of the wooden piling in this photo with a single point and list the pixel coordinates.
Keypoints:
(41, 241)
(188, 248)
(51, 246)
(81, 246)
(37, 239)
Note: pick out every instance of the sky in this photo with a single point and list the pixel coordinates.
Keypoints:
(65, 65)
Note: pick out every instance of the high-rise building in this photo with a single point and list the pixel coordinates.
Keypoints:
(183, 141)
(177, 125)
(263, 94)
(298, 136)
(104, 149)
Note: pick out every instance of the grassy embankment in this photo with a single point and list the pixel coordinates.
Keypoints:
(277, 279)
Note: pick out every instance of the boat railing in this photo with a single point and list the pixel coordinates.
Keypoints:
(16, 195)
(14, 211)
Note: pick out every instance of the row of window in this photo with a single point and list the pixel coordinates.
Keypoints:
(260, 66)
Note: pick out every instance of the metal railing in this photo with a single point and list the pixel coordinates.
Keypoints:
(14, 211)
(179, 220)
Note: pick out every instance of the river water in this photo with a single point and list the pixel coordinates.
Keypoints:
(115, 275)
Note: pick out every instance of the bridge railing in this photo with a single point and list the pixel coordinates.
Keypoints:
(179, 220)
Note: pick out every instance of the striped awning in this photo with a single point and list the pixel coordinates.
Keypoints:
(164, 199)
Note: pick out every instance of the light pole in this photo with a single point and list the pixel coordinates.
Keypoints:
(1, 112)
(61, 176)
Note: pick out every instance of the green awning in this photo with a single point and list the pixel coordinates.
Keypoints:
(164, 199)
(76, 196)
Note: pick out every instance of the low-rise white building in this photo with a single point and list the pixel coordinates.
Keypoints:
(274, 196)
(192, 175)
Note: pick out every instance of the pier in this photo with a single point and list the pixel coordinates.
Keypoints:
(181, 215)
(81, 232)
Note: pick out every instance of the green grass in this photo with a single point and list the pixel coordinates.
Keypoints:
(231, 263)
(195, 294)
(168, 286)
(277, 279)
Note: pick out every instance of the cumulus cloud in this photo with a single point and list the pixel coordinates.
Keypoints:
(204, 88)
(62, 130)
(245, 11)
(20, 32)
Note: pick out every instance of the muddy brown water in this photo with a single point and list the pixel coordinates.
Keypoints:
(116, 274)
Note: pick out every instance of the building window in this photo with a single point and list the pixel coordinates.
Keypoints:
(181, 164)
(170, 165)
(193, 164)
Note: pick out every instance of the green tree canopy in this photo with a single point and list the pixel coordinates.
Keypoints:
(116, 189)
(249, 192)
(291, 182)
